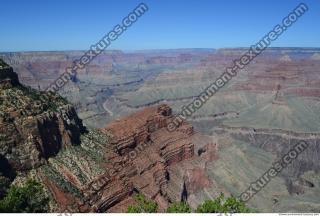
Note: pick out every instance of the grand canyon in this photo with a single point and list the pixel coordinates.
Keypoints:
(103, 138)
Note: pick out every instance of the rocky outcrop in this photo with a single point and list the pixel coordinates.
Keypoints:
(150, 149)
(8, 78)
(32, 130)
(136, 158)
(136, 129)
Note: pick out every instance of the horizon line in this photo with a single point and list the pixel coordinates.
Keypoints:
(160, 49)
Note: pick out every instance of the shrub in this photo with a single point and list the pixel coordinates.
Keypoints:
(143, 205)
(218, 205)
(4, 186)
(233, 205)
(211, 206)
(29, 198)
(222, 205)
(179, 207)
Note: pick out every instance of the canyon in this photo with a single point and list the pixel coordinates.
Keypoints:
(119, 145)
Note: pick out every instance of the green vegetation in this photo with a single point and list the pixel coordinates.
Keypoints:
(51, 100)
(222, 205)
(143, 205)
(4, 186)
(29, 198)
(93, 144)
(30, 102)
(54, 176)
(179, 207)
(218, 205)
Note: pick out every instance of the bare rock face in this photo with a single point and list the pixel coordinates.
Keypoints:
(31, 129)
(134, 130)
(135, 158)
(150, 149)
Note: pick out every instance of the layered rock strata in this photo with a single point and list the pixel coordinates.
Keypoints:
(136, 158)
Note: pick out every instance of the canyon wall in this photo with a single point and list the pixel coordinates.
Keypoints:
(33, 130)
(136, 157)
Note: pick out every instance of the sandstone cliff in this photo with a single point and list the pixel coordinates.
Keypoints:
(131, 155)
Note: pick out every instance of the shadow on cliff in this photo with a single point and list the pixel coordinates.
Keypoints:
(6, 169)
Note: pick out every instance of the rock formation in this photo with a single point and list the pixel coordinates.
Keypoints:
(32, 130)
(137, 155)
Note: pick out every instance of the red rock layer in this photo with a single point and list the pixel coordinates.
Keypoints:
(136, 161)
(149, 162)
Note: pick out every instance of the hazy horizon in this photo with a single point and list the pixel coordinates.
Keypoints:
(161, 49)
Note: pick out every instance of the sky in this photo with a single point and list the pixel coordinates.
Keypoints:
(43, 25)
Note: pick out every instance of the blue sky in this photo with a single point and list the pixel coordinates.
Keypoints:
(33, 25)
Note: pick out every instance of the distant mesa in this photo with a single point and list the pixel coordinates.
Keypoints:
(315, 56)
(285, 58)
